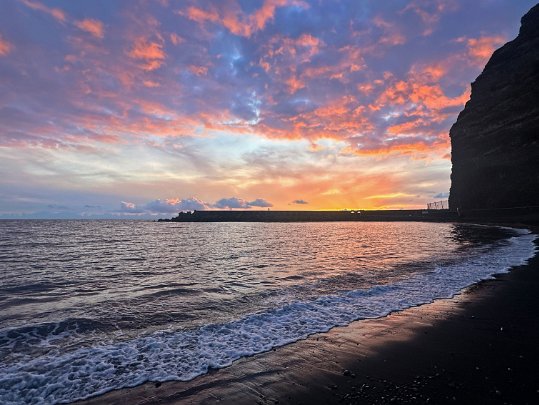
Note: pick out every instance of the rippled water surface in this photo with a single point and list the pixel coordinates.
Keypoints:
(90, 306)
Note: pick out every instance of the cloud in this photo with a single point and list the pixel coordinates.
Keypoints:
(151, 53)
(312, 82)
(232, 202)
(260, 202)
(5, 47)
(176, 39)
(174, 205)
(441, 195)
(91, 26)
(130, 208)
(199, 15)
(391, 36)
(150, 83)
(300, 202)
(431, 11)
(57, 207)
(56, 13)
(235, 202)
(480, 49)
(232, 17)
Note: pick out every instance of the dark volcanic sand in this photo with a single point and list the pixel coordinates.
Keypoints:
(480, 347)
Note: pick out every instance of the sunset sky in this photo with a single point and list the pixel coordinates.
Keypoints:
(140, 108)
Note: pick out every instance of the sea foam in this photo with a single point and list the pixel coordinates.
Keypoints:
(185, 354)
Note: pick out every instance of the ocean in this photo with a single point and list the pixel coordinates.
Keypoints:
(91, 306)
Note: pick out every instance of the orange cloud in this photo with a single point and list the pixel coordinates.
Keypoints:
(309, 41)
(92, 27)
(266, 13)
(388, 196)
(176, 39)
(198, 70)
(365, 88)
(233, 19)
(239, 24)
(421, 88)
(407, 127)
(150, 83)
(54, 12)
(264, 65)
(5, 47)
(433, 97)
(338, 119)
(294, 84)
(430, 11)
(285, 54)
(431, 72)
(405, 146)
(151, 52)
(481, 49)
(302, 49)
(350, 60)
(147, 50)
(199, 15)
(391, 35)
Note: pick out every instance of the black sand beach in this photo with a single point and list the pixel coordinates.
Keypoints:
(479, 347)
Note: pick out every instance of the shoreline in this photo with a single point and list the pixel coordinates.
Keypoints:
(479, 345)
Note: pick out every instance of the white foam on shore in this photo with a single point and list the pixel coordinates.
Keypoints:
(184, 355)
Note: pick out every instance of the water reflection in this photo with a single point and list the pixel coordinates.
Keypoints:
(111, 280)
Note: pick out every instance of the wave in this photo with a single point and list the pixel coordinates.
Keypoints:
(43, 335)
(185, 354)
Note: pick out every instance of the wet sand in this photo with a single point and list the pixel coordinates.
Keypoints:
(481, 347)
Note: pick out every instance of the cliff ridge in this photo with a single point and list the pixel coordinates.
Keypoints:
(495, 141)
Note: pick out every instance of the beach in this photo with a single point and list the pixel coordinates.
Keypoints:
(479, 346)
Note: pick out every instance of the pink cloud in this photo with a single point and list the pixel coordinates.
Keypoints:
(175, 205)
(199, 15)
(430, 12)
(198, 70)
(176, 39)
(56, 13)
(480, 49)
(266, 13)
(151, 53)
(150, 83)
(232, 18)
(5, 47)
(391, 35)
(91, 26)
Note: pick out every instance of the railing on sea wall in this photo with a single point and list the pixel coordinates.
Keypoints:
(438, 205)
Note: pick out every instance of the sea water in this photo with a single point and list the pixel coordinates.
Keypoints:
(91, 306)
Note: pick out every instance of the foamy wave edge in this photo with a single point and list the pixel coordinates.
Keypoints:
(184, 355)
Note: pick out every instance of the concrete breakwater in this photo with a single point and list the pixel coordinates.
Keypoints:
(315, 216)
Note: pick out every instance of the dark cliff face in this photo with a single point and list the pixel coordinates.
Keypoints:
(495, 141)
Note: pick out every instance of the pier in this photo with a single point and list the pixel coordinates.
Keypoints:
(315, 216)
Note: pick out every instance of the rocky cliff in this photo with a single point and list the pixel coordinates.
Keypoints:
(495, 141)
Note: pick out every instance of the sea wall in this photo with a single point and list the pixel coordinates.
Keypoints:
(315, 216)
(495, 141)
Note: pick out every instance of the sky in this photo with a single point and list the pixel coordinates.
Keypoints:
(142, 109)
